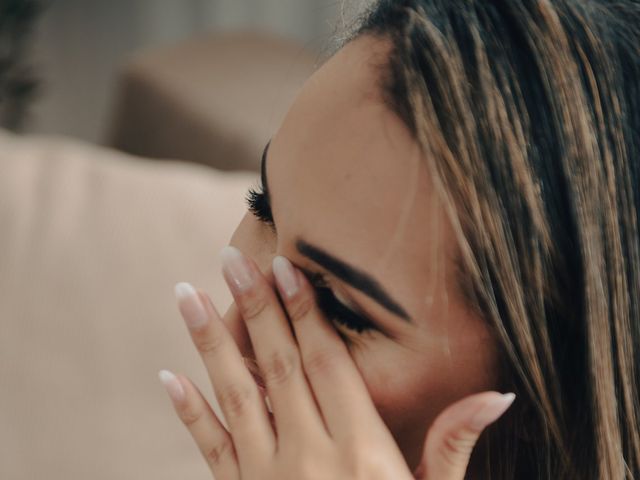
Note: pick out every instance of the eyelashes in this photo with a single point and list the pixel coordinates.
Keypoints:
(332, 308)
(335, 310)
(258, 205)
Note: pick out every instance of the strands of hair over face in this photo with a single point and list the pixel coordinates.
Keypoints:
(528, 115)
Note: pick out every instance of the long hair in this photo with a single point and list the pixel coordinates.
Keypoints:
(528, 115)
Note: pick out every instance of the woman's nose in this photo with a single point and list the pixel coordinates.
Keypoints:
(236, 325)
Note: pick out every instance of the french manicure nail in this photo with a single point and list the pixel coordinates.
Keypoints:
(191, 307)
(172, 385)
(492, 410)
(285, 275)
(237, 267)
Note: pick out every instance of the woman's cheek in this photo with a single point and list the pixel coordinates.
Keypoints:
(400, 393)
(392, 386)
(389, 384)
(410, 387)
(406, 388)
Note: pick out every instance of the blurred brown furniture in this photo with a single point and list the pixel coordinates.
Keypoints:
(214, 100)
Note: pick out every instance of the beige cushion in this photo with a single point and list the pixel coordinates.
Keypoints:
(214, 99)
(91, 245)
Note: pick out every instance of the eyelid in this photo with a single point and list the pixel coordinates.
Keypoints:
(343, 300)
(347, 304)
(319, 281)
(330, 300)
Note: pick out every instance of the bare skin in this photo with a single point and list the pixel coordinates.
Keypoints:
(344, 174)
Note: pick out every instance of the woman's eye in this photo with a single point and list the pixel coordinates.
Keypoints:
(259, 206)
(335, 311)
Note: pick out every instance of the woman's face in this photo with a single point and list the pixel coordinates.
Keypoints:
(348, 186)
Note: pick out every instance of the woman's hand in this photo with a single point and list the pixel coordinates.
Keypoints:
(324, 424)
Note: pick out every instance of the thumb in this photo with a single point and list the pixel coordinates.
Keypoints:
(455, 431)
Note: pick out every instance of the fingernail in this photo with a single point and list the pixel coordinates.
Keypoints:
(285, 276)
(172, 385)
(492, 411)
(191, 307)
(236, 266)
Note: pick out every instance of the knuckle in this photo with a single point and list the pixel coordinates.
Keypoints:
(320, 362)
(253, 304)
(456, 446)
(189, 416)
(360, 463)
(208, 345)
(280, 367)
(310, 464)
(216, 454)
(299, 307)
(236, 400)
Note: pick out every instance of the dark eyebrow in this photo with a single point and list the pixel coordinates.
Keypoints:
(355, 277)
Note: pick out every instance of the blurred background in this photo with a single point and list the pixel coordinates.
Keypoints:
(79, 46)
(130, 132)
(73, 57)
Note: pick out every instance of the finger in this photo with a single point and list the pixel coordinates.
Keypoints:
(335, 380)
(239, 397)
(273, 343)
(455, 431)
(210, 436)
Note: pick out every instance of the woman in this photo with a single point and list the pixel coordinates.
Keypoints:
(458, 191)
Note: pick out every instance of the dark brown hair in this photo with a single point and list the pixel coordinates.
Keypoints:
(528, 113)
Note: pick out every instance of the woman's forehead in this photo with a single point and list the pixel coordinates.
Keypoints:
(345, 173)
(341, 148)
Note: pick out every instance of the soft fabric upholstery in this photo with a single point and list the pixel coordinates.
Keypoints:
(91, 245)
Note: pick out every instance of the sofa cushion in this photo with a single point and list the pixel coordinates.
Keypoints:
(91, 245)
